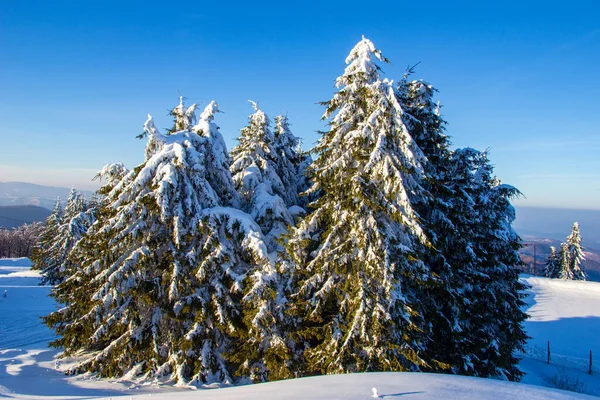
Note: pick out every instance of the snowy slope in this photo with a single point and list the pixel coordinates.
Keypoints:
(28, 368)
(566, 313)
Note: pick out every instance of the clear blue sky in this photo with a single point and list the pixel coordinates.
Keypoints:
(521, 78)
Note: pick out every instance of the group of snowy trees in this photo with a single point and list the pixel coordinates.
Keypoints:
(63, 229)
(388, 252)
(20, 241)
(566, 263)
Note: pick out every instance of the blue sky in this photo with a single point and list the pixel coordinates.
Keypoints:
(520, 78)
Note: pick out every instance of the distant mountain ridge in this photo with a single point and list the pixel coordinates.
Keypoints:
(556, 223)
(14, 216)
(22, 193)
(540, 248)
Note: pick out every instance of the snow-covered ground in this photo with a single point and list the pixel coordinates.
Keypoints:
(566, 313)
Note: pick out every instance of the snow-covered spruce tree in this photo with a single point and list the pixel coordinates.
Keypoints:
(255, 173)
(358, 278)
(552, 268)
(291, 163)
(79, 214)
(565, 262)
(44, 257)
(161, 271)
(493, 321)
(424, 122)
(261, 349)
(576, 255)
(73, 293)
(183, 117)
(444, 222)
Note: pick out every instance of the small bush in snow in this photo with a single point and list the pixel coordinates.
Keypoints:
(562, 380)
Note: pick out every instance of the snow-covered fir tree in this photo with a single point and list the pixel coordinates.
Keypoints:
(441, 215)
(255, 173)
(65, 227)
(565, 262)
(79, 215)
(159, 286)
(552, 267)
(576, 255)
(291, 163)
(423, 119)
(44, 257)
(262, 349)
(218, 156)
(492, 321)
(183, 117)
(460, 184)
(356, 258)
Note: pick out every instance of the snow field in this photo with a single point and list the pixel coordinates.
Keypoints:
(566, 313)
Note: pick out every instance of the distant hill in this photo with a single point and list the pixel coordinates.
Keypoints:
(14, 216)
(556, 224)
(21, 193)
(591, 265)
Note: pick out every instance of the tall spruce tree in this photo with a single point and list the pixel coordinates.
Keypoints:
(441, 216)
(552, 268)
(357, 274)
(160, 280)
(576, 255)
(255, 173)
(494, 318)
(261, 349)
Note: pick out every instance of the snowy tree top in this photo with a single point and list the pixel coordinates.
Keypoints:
(149, 127)
(361, 60)
(259, 117)
(209, 111)
(185, 117)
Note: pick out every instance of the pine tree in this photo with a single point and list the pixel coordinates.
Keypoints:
(160, 280)
(479, 253)
(44, 257)
(291, 163)
(552, 269)
(255, 173)
(64, 228)
(263, 349)
(494, 318)
(565, 262)
(217, 156)
(183, 117)
(576, 255)
(355, 259)
(441, 216)
(77, 217)
(260, 349)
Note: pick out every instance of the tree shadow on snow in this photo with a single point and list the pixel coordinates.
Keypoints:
(570, 337)
(24, 375)
(383, 396)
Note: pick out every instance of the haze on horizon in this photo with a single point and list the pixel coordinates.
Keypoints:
(78, 80)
